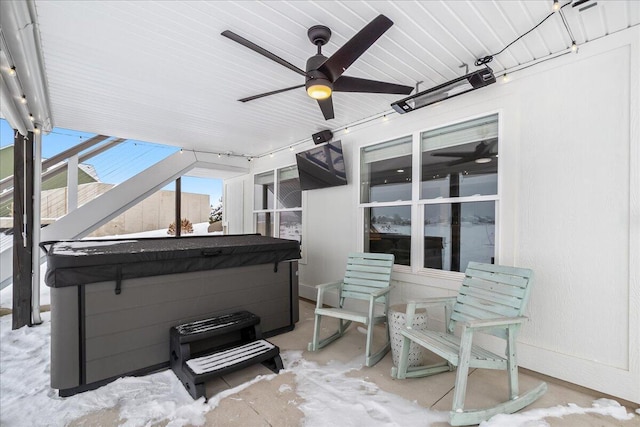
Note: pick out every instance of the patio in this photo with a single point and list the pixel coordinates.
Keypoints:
(343, 391)
(562, 201)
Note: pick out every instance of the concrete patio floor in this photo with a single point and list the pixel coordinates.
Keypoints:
(273, 403)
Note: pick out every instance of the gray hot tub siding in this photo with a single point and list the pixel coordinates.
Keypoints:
(129, 333)
(98, 335)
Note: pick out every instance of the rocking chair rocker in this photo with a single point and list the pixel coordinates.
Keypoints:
(491, 300)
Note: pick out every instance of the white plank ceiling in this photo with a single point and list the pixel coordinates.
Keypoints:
(160, 71)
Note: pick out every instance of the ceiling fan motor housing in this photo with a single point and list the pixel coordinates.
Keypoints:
(315, 77)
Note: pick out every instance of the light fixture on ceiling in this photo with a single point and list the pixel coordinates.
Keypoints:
(556, 6)
(482, 160)
(23, 99)
(574, 46)
(319, 88)
(12, 71)
(455, 87)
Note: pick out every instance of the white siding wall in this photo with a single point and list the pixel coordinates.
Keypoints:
(569, 208)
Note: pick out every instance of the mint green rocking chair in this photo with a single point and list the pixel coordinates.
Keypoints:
(367, 278)
(491, 300)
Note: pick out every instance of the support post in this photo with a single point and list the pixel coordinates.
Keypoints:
(37, 224)
(22, 229)
(72, 183)
(178, 207)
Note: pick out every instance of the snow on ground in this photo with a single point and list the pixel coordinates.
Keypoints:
(330, 397)
(27, 399)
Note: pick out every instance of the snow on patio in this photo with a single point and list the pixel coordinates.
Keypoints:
(329, 397)
(27, 399)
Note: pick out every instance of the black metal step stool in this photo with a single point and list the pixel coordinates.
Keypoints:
(209, 348)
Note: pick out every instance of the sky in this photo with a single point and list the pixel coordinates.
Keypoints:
(121, 162)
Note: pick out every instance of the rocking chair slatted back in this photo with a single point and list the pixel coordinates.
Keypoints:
(366, 273)
(490, 291)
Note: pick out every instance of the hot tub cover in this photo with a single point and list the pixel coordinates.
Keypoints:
(78, 262)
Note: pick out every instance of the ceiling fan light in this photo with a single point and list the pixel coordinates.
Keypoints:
(482, 160)
(319, 91)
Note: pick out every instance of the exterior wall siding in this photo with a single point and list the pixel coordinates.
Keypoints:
(569, 208)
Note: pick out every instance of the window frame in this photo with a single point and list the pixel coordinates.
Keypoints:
(418, 205)
(276, 211)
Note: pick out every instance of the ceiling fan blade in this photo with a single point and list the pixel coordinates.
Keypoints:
(460, 154)
(262, 95)
(355, 84)
(326, 105)
(356, 46)
(460, 161)
(262, 51)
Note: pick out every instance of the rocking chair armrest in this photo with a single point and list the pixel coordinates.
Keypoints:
(380, 293)
(500, 322)
(322, 288)
(412, 305)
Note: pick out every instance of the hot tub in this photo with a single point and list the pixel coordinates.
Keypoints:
(114, 301)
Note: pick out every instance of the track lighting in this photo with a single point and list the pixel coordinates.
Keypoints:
(556, 6)
(23, 99)
(12, 71)
(31, 117)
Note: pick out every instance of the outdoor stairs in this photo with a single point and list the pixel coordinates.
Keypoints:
(206, 349)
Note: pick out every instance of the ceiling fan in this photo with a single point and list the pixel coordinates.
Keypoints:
(481, 154)
(323, 75)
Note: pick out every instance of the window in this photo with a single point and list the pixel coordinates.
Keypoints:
(277, 202)
(455, 196)
(263, 196)
(386, 188)
(459, 187)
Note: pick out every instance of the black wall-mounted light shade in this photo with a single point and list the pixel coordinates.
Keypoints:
(464, 84)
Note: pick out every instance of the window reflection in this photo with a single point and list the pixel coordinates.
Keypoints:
(289, 193)
(291, 225)
(264, 223)
(456, 233)
(464, 170)
(263, 188)
(385, 171)
(388, 230)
